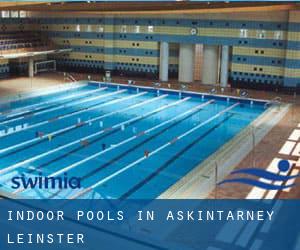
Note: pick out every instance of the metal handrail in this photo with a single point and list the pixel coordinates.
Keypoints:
(183, 87)
(156, 85)
(70, 77)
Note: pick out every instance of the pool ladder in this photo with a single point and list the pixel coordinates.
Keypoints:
(157, 85)
(69, 77)
(183, 88)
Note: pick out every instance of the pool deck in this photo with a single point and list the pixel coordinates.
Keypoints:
(282, 141)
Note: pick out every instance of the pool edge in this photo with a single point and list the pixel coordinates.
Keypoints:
(201, 181)
(198, 93)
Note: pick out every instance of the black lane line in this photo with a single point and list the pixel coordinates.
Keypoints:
(170, 161)
(59, 117)
(74, 150)
(130, 149)
(27, 113)
(90, 143)
(32, 112)
(45, 138)
(136, 146)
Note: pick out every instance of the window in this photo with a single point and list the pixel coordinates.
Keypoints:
(100, 29)
(78, 27)
(137, 29)
(14, 14)
(22, 14)
(261, 34)
(5, 14)
(89, 28)
(243, 33)
(278, 35)
(150, 29)
(123, 29)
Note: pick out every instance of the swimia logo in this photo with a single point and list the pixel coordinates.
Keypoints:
(267, 180)
(44, 182)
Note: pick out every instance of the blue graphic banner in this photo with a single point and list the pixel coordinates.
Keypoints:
(150, 224)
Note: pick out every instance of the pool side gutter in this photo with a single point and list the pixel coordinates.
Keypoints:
(201, 181)
(174, 91)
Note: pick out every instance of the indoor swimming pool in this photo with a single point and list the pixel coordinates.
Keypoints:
(121, 141)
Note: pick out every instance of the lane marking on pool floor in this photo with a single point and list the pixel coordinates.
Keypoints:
(74, 102)
(193, 110)
(82, 192)
(150, 175)
(32, 107)
(65, 88)
(46, 104)
(28, 107)
(119, 125)
(198, 107)
(82, 110)
(81, 124)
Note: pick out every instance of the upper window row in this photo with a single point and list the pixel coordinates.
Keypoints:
(261, 34)
(13, 14)
(137, 29)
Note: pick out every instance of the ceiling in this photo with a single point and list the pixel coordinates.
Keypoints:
(140, 7)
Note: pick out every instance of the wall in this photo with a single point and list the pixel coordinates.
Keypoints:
(292, 54)
(16, 25)
(4, 68)
(265, 46)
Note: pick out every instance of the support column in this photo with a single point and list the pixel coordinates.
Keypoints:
(224, 66)
(210, 64)
(186, 63)
(164, 62)
(108, 44)
(198, 62)
(31, 67)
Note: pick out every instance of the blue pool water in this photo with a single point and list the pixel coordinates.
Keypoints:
(123, 142)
